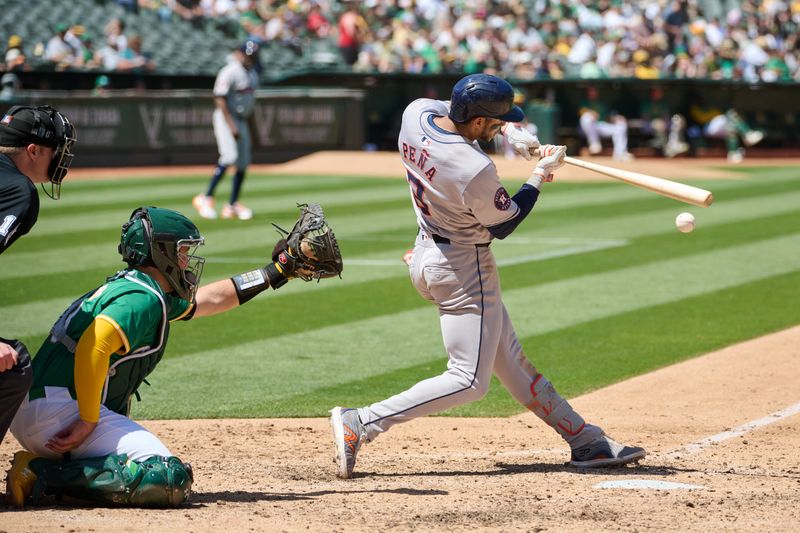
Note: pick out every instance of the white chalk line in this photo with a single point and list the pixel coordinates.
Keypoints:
(743, 429)
(683, 451)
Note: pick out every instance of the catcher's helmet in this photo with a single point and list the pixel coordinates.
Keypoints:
(483, 95)
(43, 125)
(154, 237)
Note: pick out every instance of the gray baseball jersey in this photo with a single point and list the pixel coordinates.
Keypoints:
(237, 85)
(460, 205)
(454, 184)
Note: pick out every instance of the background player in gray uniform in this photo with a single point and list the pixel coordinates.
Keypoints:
(234, 97)
(461, 206)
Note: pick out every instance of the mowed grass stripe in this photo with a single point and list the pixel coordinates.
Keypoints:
(272, 206)
(642, 250)
(22, 263)
(537, 310)
(117, 192)
(31, 317)
(576, 359)
(243, 237)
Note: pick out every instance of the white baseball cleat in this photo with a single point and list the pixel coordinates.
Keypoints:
(237, 210)
(205, 206)
(675, 148)
(735, 156)
(348, 435)
(595, 148)
(753, 137)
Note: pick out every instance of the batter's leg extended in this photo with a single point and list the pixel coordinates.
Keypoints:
(462, 281)
(591, 447)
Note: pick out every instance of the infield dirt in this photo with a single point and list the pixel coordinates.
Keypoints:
(501, 474)
(504, 474)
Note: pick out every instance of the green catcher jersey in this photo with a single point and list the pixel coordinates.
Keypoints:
(139, 310)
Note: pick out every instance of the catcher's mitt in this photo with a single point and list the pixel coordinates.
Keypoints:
(313, 246)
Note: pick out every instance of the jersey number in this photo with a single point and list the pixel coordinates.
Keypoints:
(418, 190)
(6, 225)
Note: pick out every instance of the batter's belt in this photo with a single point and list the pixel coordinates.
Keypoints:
(444, 240)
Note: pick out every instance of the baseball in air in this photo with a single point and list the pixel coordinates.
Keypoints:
(684, 222)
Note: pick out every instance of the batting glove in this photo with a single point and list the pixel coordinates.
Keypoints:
(552, 158)
(524, 142)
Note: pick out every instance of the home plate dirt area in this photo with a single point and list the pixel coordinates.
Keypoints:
(721, 430)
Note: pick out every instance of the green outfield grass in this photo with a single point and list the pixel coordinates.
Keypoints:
(599, 284)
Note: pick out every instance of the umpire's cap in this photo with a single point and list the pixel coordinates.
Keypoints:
(23, 125)
(483, 95)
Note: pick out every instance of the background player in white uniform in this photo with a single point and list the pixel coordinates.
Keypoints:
(461, 206)
(234, 97)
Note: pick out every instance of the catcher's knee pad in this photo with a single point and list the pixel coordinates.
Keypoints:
(156, 482)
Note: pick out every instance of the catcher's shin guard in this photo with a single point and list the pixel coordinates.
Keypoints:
(114, 479)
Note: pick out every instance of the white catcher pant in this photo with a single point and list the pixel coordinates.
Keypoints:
(232, 150)
(462, 280)
(718, 127)
(595, 129)
(39, 420)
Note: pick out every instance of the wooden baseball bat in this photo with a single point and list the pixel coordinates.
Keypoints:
(668, 188)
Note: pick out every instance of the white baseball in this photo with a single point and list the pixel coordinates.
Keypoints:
(685, 222)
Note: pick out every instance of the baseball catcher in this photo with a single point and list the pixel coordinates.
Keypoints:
(79, 441)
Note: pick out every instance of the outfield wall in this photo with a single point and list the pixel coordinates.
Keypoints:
(313, 111)
(174, 127)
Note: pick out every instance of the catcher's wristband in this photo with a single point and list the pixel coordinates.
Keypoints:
(249, 284)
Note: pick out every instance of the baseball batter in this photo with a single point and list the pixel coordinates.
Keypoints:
(461, 207)
(234, 98)
(73, 423)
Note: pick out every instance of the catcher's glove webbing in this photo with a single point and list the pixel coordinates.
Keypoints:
(309, 251)
(312, 244)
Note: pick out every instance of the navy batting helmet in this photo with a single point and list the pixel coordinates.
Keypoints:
(483, 95)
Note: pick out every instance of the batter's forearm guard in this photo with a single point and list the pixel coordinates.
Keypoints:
(249, 284)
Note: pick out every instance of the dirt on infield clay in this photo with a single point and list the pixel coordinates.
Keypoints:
(504, 474)
(387, 165)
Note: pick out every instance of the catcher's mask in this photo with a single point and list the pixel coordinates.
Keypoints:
(168, 241)
(43, 125)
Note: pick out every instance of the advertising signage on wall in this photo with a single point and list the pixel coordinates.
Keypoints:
(282, 120)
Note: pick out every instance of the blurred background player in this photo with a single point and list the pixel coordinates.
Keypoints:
(666, 128)
(728, 125)
(35, 147)
(234, 97)
(101, 350)
(597, 122)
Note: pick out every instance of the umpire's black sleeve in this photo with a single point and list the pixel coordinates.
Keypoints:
(19, 209)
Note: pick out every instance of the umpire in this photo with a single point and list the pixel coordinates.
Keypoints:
(35, 147)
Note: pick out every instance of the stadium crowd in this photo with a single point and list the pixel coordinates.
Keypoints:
(751, 40)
